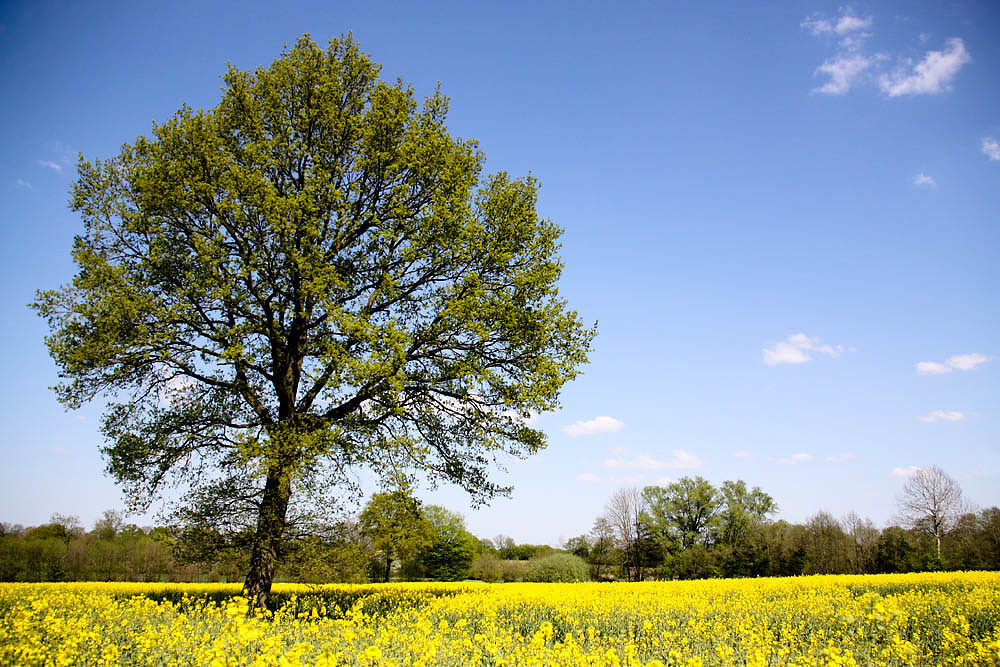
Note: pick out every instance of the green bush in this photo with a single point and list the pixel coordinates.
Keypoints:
(558, 567)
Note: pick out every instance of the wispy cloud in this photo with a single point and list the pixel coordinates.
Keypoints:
(743, 454)
(682, 460)
(23, 184)
(588, 477)
(840, 458)
(62, 451)
(844, 71)
(55, 166)
(931, 76)
(991, 148)
(595, 425)
(847, 23)
(794, 459)
(924, 181)
(942, 415)
(796, 349)
(852, 64)
(906, 472)
(960, 362)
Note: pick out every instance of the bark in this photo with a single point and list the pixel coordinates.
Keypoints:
(267, 540)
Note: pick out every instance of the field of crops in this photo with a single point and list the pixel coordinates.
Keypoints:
(928, 619)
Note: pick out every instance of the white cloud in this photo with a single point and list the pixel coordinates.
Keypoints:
(796, 350)
(588, 477)
(743, 454)
(930, 76)
(51, 165)
(852, 64)
(793, 459)
(595, 425)
(961, 362)
(905, 472)
(844, 71)
(23, 184)
(991, 148)
(942, 415)
(923, 180)
(967, 362)
(683, 460)
(840, 458)
(665, 481)
(847, 23)
(932, 368)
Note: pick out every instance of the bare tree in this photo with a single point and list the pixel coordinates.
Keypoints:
(932, 502)
(623, 512)
(865, 536)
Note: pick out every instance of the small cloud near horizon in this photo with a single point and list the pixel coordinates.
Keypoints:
(796, 349)
(743, 454)
(942, 415)
(793, 459)
(595, 425)
(683, 460)
(960, 362)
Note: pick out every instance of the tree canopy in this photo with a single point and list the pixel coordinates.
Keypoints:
(311, 276)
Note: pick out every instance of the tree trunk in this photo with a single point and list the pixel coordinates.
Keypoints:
(388, 567)
(267, 540)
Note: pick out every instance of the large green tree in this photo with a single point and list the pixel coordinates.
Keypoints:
(312, 275)
(394, 522)
(685, 511)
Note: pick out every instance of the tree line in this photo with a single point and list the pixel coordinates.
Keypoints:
(684, 530)
(692, 529)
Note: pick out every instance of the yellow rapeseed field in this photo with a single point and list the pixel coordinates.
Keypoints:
(919, 619)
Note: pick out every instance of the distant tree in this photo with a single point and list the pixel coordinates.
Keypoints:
(579, 546)
(602, 549)
(394, 522)
(741, 511)
(826, 545)
(310, 276)
(864, 536)
(931, 502)
(449, 554)
(623, 514)
(685, 510)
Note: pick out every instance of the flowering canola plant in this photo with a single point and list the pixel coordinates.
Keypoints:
(916, 619)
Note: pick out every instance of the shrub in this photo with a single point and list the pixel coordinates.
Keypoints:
(558, 567)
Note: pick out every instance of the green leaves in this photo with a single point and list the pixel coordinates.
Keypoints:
(325, 269)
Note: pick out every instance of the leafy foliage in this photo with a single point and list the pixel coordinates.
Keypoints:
(311, 276)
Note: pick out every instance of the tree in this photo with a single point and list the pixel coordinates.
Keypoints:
(311, 276)
(742, 510)
(602, 545)
(931, 502)
(448, 556)
(395, 523)
(684, 510)
(623, 514)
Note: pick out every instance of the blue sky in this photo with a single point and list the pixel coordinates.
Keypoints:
(784, 217)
